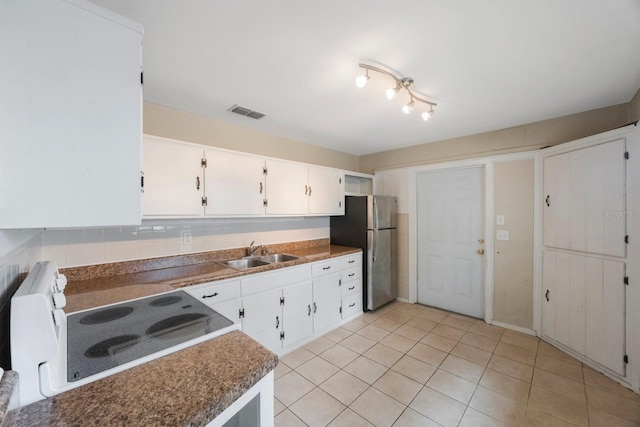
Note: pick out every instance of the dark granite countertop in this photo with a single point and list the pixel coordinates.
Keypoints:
(189, 387)
(97, 285)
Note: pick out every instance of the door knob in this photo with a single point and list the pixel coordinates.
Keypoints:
(480, 251)
(481, 241)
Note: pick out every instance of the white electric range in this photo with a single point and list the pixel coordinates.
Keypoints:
(54, 352)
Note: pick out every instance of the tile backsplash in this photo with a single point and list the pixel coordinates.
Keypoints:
(157, 238)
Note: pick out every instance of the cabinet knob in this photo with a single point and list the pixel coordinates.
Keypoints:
(480, 251)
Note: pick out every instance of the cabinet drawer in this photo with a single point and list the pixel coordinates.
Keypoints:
(351, 305)
(351, 261)
(351, 287)
(211, 294)
(275, 279)
(351, 274)
(325, 267)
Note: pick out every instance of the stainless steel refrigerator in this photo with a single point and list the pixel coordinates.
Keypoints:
(369, 223)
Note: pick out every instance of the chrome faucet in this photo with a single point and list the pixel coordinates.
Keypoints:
(252, 249)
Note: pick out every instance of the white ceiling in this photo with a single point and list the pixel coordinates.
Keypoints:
(488, 64)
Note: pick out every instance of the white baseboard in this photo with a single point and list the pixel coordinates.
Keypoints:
(402, 299)
(515, 328)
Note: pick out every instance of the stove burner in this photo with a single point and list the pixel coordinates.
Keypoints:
(106, 315)
(161, 302)
(180, 325)
(112, 346)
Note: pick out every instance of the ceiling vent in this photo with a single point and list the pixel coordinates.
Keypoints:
(244, 111)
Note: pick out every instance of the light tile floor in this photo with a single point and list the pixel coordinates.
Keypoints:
(411, 365)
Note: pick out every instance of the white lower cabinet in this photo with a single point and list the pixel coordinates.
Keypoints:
(262, 318)
(287, 307)
(326, 301)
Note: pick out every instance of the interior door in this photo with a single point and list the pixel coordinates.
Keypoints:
(450, 240)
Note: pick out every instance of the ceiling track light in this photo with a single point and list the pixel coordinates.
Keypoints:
(402, 83)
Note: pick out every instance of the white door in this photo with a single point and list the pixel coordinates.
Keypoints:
(297, 312)
(324, 191)
(287, 188)
(173, 181)
(451, 240)
(234, 184)
(263, 318)
(327, 300)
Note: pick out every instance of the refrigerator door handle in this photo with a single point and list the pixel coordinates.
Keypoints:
(375, 214)
(373, 245)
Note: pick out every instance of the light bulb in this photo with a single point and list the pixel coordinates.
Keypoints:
(392, 91)
(427, 115)
(361, 81)
(407, 108)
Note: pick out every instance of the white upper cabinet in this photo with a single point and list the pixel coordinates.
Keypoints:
(287, 188)
(190, 180)
(234, 184)
(71, 104)
(173, 179)
(325, 191)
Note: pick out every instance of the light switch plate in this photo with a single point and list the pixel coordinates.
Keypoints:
(502, 235)
(499, 219)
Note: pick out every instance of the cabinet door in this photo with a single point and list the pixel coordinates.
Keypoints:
(325, 191)
(173, 181)
(326, 301)
(287, 188)
(234, 184)
(263, 318)
(557, 205)
(606, 313)
(71, 108)
(297, 312)
(229, 309)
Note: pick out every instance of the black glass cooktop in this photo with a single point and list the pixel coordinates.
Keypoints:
(103, 338)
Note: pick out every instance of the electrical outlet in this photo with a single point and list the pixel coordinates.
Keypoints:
(502, 235)
(499, 219)
(185, 241)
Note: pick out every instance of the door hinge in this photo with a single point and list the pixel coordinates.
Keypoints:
(241, 313)
(141, 78)
(282, 336)
(204, 201)
(626, 238)
(281, 300)
(265, 171)
(626, 155)
(203, 162)
(141, 181)
(626, 280)
(265, 202)
(625, 359)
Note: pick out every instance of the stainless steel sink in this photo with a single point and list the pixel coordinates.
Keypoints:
(277, 258)
(245, 263)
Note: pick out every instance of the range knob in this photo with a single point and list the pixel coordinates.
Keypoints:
(59, 300)
(61, 282)
(58, 317)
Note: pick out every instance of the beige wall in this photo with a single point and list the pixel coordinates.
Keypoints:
(170, 123)
(513, 259)
(521, 138)
(634, 107)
